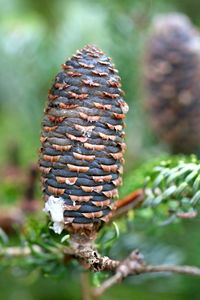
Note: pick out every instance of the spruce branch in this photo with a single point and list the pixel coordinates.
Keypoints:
(172, 184)
(176, 187)
(134, 266)
(90, 259)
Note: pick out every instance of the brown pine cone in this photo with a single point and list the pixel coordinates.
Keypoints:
(172, 72)
(82, 142)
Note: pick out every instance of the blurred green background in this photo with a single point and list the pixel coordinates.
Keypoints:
(36, 36)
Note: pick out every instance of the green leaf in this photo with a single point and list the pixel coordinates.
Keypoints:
(196, 184)
(181, 188)
(3, 236)
(196, 198)
(191, 176)
(170, 191)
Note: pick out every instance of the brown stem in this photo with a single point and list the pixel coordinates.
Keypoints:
(31, 182)
(134, 266)
(190, 270)
(10, 218)
(29, 203)
(85, 286)
(19, 251)
(129, 202)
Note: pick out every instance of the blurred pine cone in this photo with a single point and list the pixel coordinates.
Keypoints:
(172, 72)
(82, 142)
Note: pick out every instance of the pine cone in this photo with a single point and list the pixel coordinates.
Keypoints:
(82, 142)
(172, 73)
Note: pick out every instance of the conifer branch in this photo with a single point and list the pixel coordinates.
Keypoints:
(133, 265)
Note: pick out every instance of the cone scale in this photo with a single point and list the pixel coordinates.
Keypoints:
(81, 155)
